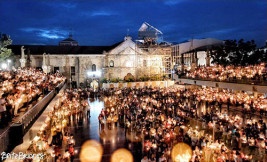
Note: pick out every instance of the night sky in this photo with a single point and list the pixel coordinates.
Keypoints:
(105, 22)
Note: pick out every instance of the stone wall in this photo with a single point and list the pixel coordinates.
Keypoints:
(234, 86)
(161, 84)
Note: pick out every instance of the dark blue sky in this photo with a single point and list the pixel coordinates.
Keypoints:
(105, 22)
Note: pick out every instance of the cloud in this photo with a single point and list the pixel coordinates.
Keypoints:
(222, 31)
(60, 4)
(68, 5)
(50, 20)
(46, 33)
(102, 13)
(173, 2)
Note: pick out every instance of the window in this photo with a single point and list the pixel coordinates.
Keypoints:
(72, 70)
(93, 67)
(56, 69)
(144, 63)
(111, 63)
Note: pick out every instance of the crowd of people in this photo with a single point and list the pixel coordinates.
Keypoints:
(156, 118)
(160, 118)
(256, 73)
(248, 102)
(55, 137)
(21, 88)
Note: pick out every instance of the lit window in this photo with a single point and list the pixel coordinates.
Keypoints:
(111, 63)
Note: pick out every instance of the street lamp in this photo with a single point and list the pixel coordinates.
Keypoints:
(181, 152)
(91, 151)
(94, 73)
(172, 71)
(122, 155)
(8, 63)
(4, 66)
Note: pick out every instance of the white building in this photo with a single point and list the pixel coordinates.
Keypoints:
(83, 63)
(194, 52)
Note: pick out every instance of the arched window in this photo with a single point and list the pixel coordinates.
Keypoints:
(111, 63)
(93, 67)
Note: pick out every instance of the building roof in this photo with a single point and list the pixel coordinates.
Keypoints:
(198, 45)
(149, 34)
(40, 49)
(68, 40)
(147, 27)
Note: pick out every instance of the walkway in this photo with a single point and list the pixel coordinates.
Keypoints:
(28, 137)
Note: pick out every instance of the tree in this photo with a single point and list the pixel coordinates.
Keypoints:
(256, 57)
(246, 49)
(5, 52)
(233, 51)
(219, 56)
(238, 53)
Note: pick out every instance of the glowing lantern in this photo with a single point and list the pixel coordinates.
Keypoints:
(181, 152)
(122, 155)
(152, 131)
(91, 151)
(64, 123)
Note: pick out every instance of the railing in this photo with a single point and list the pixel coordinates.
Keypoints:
(224, 85)
(231, 80)
(30, 115)
(27, 119)
(61, 85)
(4, 140)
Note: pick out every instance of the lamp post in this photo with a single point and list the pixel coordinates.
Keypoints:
(4, 66)
(8, 64)
(172, 73)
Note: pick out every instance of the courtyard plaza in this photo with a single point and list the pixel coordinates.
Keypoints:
(148, 122)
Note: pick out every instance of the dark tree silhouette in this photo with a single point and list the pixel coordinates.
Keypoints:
(219, 56)
(238, 53)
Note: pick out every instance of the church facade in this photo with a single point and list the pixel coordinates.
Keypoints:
(81, 64)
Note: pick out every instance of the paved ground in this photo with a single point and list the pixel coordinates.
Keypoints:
(111, 139)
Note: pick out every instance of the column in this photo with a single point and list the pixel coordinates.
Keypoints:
(193, 63)
(196, 59)
(208, 58)
(182, 62)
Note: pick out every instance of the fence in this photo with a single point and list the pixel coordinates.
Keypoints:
(232, 80)
(4, 140)
(30, 115)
